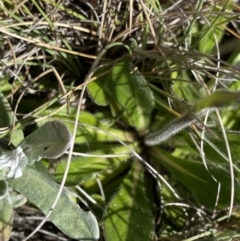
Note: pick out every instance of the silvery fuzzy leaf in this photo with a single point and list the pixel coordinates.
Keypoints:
(49, 141)
(3, 189)
(12, 163)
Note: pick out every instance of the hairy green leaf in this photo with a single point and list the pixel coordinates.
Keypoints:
(128, 216)
(218, 99)
(50, 140)
(198, 180)
(130, 94)
(39, 187)
(6, 220)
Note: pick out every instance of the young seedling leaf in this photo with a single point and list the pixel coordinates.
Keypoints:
(128, 216)
(217, 100)
(169, 130)
(39, 187)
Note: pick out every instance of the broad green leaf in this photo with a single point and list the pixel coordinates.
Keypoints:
(128, 215)
(6, 220)
(130, 94)
(39, 187)
(96, 87)
(6, 120)
(215, 148)
(198, 180)
(216, 151)
(89, 133)
(83, 168)
(173, 213)
(107, 177)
